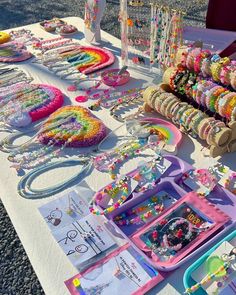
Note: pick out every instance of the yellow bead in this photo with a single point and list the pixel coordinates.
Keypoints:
(76, 282)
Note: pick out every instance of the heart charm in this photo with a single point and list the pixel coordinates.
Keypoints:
(74, 126)
(213, 264)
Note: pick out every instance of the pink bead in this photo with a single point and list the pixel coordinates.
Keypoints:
(72, 88)
(81, 98)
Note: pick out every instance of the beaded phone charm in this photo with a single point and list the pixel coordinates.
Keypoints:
(24, 103)
(69, 126)
(218, 268)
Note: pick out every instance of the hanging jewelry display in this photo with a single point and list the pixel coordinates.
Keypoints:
(13, 52)
(166, 35)
(23, 103)
(69, 126)
(135, 32)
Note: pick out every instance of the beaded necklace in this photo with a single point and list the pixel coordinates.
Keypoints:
(26, 191)
(119, 187)
(153, 208)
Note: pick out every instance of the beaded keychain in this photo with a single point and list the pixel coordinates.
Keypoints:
(205, 177)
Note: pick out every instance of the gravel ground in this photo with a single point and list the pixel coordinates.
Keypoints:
(17, 276)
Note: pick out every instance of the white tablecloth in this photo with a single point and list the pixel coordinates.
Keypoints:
(49, 262)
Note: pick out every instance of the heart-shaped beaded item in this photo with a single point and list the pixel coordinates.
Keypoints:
(79, 129)
(13, 52)
(25, 103)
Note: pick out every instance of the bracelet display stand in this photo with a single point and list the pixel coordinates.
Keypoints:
(224, 141)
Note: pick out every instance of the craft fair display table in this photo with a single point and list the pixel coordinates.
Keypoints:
(49, 262)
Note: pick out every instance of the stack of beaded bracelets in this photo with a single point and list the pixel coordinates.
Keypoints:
(201, 61)
(206, 93)
(191, 119)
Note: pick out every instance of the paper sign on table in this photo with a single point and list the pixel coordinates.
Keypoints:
(122, 274)
(68, 208)
(83, 239)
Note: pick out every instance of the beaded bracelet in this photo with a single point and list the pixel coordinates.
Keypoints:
(216, 68)
(204, 124)
(205, 67)
(215, 128)
(198, 60)
(230, 183)
(233, 79)
(223, 102)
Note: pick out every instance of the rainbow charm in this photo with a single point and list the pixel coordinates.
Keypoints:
(88, 59)
(78, 128)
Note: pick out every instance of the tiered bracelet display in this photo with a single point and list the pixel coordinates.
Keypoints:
(221, 70)
(215, 132)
